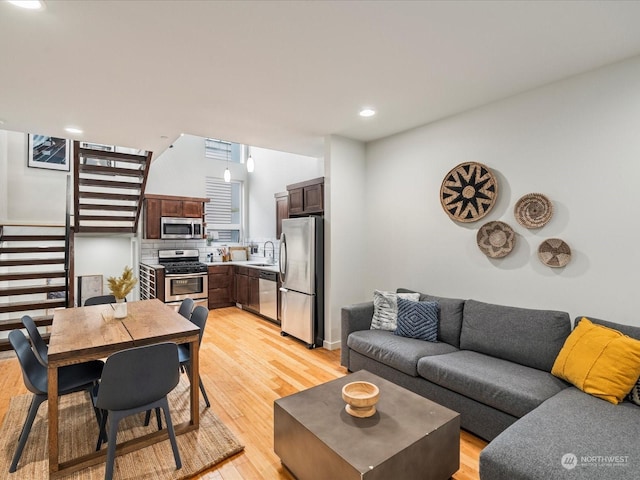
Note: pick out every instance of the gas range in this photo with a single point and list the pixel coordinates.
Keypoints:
(181, 262)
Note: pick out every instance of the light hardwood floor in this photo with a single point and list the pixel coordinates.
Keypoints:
(246, 365)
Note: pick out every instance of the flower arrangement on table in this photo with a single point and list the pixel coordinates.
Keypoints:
(120, 288)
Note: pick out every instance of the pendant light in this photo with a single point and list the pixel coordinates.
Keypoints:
(250, 164)
(227, 172)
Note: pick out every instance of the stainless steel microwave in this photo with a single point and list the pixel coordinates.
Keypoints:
(172, 227)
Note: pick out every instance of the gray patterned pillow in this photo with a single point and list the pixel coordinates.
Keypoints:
(417, 320)
(385, 309)
(634, 394)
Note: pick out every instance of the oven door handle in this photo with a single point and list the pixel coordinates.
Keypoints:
(179, 275)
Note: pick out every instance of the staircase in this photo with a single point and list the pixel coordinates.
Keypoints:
(109, 183)
(34, 275)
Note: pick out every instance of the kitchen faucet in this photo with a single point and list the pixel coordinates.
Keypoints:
(273, 251)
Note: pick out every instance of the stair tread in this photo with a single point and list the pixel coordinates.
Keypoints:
(109, 196)
(31, 275)
(31, 238)
(33, 249)
(96, 206)
(32, 305)
(105, 229)
(115, 156)
(13, 323)
(124, 172)
(105, 183)
(31, 261)
(31, 289)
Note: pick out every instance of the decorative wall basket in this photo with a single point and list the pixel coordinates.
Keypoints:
(496, 239)
(468, 192)
(554, 253)
(533, 210)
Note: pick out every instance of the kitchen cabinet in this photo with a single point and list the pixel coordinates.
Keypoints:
(152, 218)
(282, 210)
(247, 283)
(181, 208)
(158, 206)
(221, 286)
(306, 198)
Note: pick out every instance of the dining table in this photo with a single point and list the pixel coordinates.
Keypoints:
(90, 333)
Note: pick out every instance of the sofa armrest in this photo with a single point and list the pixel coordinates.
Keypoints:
(354, 317)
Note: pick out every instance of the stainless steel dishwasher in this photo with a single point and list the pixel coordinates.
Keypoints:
(269, 295)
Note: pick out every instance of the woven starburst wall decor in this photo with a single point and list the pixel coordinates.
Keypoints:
(468, 192)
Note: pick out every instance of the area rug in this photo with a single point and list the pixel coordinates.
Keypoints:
(199, 450)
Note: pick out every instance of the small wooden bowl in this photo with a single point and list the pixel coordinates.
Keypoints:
(361, 398)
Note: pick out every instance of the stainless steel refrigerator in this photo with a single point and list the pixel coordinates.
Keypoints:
(302, 277)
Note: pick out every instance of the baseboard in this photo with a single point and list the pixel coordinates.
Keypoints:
(331, 345)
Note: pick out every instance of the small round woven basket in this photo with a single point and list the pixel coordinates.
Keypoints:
(496, 239)
(533, 210)
(554, 253)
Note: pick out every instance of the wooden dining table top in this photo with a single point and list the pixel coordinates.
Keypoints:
(82, 332)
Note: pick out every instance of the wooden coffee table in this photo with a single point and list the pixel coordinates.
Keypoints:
(409, 437)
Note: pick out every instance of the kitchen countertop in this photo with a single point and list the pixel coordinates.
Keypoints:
(259, 264)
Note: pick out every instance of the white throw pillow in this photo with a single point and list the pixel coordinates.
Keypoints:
(385, 309)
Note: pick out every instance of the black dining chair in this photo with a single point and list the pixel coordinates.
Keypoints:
(186, 307)
(42, 351)
(100, 300)
(136, 380)
(37, 342)
(199, 318)
(73, 378)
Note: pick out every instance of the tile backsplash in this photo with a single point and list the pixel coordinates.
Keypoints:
(149, 248)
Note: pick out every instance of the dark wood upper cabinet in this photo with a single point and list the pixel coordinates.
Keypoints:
(158, 206)
(152, 218)
(306, 198)
(191, 209)
(171, 208)
(282, 210)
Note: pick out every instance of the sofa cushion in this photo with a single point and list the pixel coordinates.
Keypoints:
(529, 337)
(385, 309)
(569, 426)
(507, 386)
(397, 352)
(417, 320)
(449, 316)
(599, 361)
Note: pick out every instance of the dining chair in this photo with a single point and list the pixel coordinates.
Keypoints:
(199, 318)
(41, 350)
(136, 380)
(99, 300)
(186, 307)
(37, 342)
(73, 378)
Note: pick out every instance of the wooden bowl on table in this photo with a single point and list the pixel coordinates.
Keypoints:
(361, 398)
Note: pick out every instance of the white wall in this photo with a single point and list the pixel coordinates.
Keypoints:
(33, 195)
(575, 141)
(274, 170)
(106, 256)
(345, 241)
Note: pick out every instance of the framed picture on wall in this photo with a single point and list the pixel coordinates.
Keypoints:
(49, 152)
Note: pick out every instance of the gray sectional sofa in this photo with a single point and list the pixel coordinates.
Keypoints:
(492, 364)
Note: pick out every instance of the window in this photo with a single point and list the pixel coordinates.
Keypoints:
(223, 213)
(222, 150)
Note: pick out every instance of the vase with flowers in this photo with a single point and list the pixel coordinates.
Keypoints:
(120, 288)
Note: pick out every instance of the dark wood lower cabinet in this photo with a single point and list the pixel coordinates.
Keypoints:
(221, 286)
(248, 288)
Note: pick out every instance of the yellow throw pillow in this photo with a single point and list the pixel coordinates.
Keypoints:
(600, 361)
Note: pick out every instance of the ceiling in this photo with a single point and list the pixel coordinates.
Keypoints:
(283, 75)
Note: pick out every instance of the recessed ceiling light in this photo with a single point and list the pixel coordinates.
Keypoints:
(28, 4)
(367, 112)
(73, 130)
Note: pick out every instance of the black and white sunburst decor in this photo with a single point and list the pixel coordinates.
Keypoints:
(468, 192)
